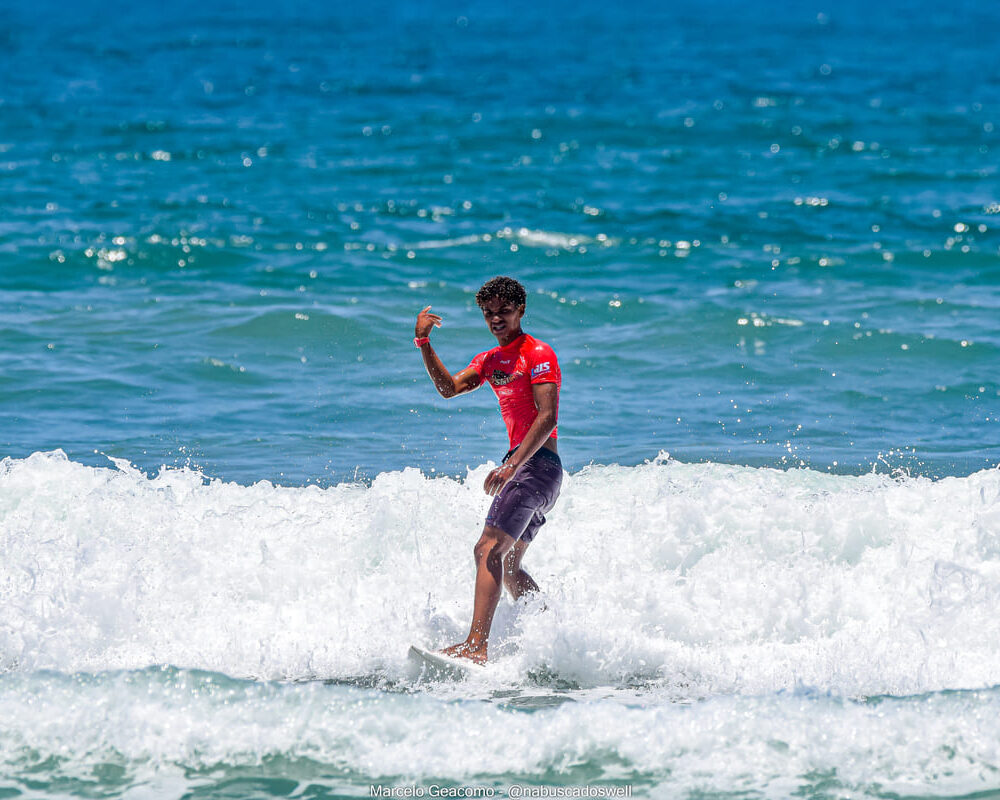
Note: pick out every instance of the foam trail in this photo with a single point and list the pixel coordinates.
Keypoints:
(158, 731)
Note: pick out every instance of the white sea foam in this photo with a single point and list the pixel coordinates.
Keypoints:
(181, 728)
(536, 238)
(436, 244)
(693, 579)
(707, 628)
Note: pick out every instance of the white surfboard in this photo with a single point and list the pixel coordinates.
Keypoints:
(440, 665)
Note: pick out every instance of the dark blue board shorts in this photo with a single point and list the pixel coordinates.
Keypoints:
(519, 508)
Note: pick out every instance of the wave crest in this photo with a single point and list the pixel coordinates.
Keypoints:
(698, 578)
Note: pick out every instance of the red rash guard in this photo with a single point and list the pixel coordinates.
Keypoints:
(511, 371)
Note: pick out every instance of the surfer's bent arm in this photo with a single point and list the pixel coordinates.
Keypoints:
(546, 397)
(448, 385)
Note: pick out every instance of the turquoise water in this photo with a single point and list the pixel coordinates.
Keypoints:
(761, 239)
(219, 227)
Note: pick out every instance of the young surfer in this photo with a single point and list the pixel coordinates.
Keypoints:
(525, 376)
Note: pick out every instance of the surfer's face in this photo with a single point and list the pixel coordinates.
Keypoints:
(503, 318)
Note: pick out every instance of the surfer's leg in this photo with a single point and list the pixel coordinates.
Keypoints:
(517, 581)
(489, 553)
(522, 513)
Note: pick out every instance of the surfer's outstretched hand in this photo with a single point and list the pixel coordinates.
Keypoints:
(425, 322)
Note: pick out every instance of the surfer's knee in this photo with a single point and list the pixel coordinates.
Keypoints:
(494, 544)
(487, 548)
(483, 548)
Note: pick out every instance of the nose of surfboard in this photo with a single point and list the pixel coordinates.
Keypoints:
(439, 665)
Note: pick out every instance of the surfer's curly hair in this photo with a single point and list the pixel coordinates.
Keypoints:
(505, 289)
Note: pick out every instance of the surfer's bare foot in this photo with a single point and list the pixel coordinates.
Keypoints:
(476, 653)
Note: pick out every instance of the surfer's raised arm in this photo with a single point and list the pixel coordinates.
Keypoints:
(448, 385)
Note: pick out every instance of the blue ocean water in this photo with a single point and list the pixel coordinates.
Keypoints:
(762, 239)
(752, 238)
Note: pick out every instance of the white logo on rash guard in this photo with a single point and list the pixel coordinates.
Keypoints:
(540, 369)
